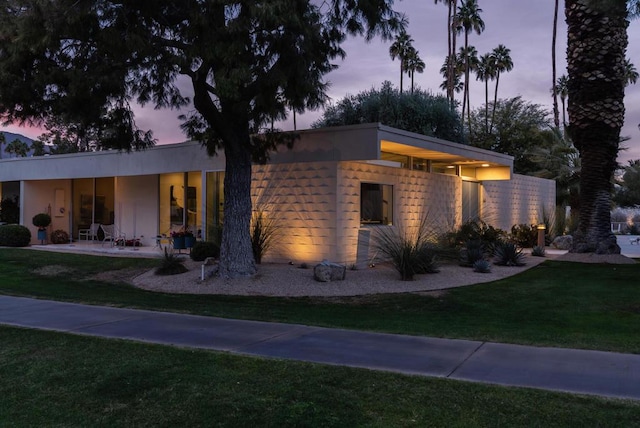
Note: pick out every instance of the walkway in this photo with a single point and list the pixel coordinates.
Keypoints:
(578, 371)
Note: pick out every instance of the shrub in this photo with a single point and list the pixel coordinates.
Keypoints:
(538, 251)
(203, 249)
(508, 254)
(524, 235)
(472, 252)
(482, 266)
(264, 232)
(475, 230)
(41, 220)
(410, 253)
(619, 216)
(171, 265)
(59, 236)
(14, 235)
(10, 210)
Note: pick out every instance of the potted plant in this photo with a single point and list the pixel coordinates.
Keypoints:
(41, 221)
(182, 239)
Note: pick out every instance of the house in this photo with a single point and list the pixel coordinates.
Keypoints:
(327, 193)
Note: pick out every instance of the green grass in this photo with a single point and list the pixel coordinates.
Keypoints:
(55, 379)
(556, 304)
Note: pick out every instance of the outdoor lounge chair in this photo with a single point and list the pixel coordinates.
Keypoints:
(109, 233)
(90, 233)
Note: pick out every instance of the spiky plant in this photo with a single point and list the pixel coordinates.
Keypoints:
(410, 252)
(264, 232)
(171, 264)
(538, 251)
(473, 251)
(482, 266)
(508, 254)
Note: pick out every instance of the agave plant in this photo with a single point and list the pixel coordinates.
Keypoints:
(538, 251)
(473, 251)
(508, 254)
(482, 266)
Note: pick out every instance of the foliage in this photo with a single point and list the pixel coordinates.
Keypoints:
(619, 216)
(41, 220)
(508, 254)
(18, 148)
(14, 235)
(59, 236)
(204, 249)
(538, 251)
(171, 264)
(518, 127)
(410, 252)
(247, 65)
(10, 210)
(482, 266)
(475, 230)
(473, 251)
(264, 234)
(627, 193)
(524, 235)
(419, 111)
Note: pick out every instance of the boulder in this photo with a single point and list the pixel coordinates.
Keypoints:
(564, 242)
(327, 271)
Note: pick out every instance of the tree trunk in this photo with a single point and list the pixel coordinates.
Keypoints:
(556, 119)
(597, 41)
(495, 101)
(236, 255)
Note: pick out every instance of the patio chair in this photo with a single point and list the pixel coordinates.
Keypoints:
(90, 233)
(109, 233)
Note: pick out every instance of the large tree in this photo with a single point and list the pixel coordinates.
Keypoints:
(401, 48)
(502, 63)
(246, 62)
(419, 112)
(596, 45)
(519, 127)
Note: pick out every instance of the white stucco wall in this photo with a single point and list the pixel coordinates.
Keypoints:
(520, 200)
(136, 210)
(39, 196)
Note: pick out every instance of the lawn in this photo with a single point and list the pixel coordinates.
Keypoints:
(55, 379)
(555, 304)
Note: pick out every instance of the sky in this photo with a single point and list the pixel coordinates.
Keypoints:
(523, 26)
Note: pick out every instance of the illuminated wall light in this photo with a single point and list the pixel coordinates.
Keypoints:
(484, 165)
(450, 166)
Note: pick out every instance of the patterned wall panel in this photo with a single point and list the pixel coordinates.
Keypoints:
(523, 199)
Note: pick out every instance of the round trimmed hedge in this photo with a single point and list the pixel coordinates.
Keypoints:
(203, 249)
(14, 235)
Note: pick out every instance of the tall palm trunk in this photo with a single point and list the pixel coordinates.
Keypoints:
(466, 76)
(556, 119)
(452, 64)
(495, 101)
(597, 40)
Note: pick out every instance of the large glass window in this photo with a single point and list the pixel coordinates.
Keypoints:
(376, 203)
(93, 202)
(179, 202)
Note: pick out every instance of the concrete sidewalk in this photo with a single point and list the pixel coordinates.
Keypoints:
(587, 372)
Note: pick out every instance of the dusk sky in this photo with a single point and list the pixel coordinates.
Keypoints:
(525, 27)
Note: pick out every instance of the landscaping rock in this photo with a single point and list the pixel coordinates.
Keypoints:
(564, 242)
(327, 271)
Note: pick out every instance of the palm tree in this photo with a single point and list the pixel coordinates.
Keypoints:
(469, 56)
(413, 64)
(597, 40)
(562, 91)
(485, 71)
(400, 48)
(630, 73)
(556, 119)
(467, 20)
(450, 75)
(503, 63)
(458, 67)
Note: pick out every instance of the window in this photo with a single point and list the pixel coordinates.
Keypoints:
(376, 203)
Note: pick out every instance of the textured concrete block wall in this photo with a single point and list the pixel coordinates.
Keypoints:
(301, 199)
(417, 195)
(520, 200)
